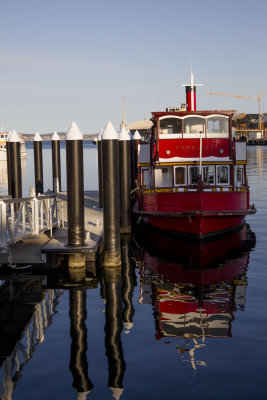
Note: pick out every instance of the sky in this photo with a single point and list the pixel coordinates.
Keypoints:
(64, 60)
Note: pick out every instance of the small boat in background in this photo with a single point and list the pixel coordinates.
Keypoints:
(3, 140)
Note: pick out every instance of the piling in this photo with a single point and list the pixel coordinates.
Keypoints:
(111, 197)
(75, 186)
(38, 163)
(113, 329)
(56, 168)
(14, 166)
(100, 173)
(136, 140)
(125, 180)
(78, 331)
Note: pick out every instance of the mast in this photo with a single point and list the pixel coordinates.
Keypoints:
(123, 122)
(190, 89)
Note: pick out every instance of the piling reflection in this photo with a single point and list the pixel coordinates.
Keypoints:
(128, 283)
(78, 331)
(195, 288)
(116, 365)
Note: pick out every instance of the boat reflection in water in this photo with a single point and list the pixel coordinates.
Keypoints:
(195, 288)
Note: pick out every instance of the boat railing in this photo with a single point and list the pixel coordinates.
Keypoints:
(193, 188)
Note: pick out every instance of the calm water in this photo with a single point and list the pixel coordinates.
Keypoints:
(161, 328)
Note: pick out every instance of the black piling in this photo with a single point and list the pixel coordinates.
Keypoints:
(135, 145)
(56, 168)
(100, 172)
(111, 197)
(75, 186)
(38, 163)
(14, 167)
(78, 331)
(125, 180)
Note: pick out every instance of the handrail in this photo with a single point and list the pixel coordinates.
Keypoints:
(33, 216)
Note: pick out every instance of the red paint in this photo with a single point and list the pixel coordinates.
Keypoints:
(190, 148)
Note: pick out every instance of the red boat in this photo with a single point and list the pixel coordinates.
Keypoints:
(192, 172)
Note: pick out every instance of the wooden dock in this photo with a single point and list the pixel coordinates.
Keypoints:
(34, 251)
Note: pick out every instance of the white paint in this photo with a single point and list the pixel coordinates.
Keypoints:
(100, 135)
(14, 137)
(241, 151)
(37, 137)
(124, 135)
(136, 135)
(184, 159)
(55, 136)
(74, 132)
(109, 132)
(144, 153)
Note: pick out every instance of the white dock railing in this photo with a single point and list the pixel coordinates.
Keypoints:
(27, 217)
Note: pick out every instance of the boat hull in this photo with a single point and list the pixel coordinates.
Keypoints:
(198, 214)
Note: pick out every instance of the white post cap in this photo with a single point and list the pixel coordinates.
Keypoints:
(124, 135)
(109, 132)
(74, 132)
(100, 135)
(131, 135)
(37, 137)
(55, 136)
(14, 137)
(116, 392)
(136, 135)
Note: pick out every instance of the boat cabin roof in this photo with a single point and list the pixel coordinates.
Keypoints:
(226, 113)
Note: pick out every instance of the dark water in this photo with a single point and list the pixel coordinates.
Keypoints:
(178, 321)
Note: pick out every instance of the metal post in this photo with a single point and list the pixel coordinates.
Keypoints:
(14, 167)
(56, 163)
(75, 186)
(125, 180)
(111, 198)
(38, 163)
(78, 332)
(100, 172)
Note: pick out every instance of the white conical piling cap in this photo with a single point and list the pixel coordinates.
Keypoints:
(116, 392)
(82, 395)
(131, 135)
(109, 132)
(9, 133)
(37, 137)
(136, 135)
(100, 135)
(14, 137)
(74, 132)
(124, 135)
(55, 136)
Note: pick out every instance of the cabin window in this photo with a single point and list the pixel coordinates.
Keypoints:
(179, 176)
(223, 175)
(193, 175)
(194, 125)
(145, 177)
(218, 124)
(208, 175)
(239, 176)
(163, 177)
(170, 125)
